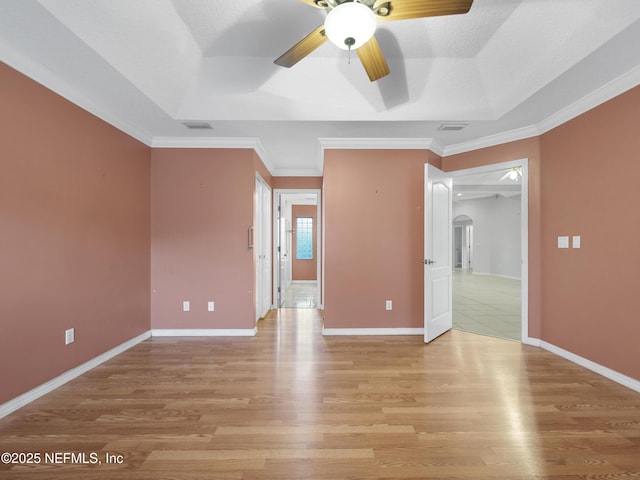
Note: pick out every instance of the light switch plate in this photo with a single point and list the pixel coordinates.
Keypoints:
(186, 306)
(576, 241)
(563, 242)
(211, 306)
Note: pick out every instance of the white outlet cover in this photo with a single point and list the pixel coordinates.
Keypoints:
(69, 336)
(211, 306)
(389, 305)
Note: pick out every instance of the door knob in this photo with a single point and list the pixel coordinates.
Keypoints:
(429, 262)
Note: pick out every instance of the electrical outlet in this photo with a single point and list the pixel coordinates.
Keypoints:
(186, 306)
(211, 306)
(389, 305)
(69, 336)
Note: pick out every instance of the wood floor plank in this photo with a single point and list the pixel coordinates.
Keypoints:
(292, 404)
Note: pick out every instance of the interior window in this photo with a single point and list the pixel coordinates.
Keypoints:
(304, 238)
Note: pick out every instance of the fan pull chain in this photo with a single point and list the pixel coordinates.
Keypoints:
(349, 42)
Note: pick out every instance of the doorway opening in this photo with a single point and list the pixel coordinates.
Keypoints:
(463, 242)
(490, 231)
(298, 249)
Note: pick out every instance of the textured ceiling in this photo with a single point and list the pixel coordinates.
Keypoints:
(508, 69)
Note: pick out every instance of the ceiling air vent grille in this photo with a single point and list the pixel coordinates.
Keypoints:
(198, 125)
(452, 127)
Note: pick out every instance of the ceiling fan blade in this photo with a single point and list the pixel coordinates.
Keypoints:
(405, 9)
(373, 60)
(323, 4)
(303, 48)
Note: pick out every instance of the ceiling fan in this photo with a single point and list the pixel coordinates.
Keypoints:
(351, 24)
(514, 174)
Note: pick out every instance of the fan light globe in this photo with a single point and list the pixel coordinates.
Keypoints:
(350, 25)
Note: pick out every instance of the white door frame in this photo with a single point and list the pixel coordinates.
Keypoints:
(277, 196)
(523, 163)
(456, 229)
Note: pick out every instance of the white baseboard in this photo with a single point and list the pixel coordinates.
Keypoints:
(372, 331)
(534, 342)
(41, 390)
(617, 377)
(204, 332)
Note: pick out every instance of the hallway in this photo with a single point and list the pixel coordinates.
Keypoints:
(301, 295)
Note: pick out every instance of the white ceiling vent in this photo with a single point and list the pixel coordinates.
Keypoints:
(452, 127)
(198, 125)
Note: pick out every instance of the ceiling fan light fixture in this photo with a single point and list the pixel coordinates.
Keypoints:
(513, 174)
(350, 25)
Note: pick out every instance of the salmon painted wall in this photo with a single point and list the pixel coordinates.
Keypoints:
(74, 247)
(301, 183)
(260, 168)
(589, 184)
(374, 238)
(304, 269)
(202, 206)
(528, 148)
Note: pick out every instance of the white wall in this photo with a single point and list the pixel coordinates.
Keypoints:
(497, 231)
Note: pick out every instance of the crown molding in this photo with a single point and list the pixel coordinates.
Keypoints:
(216, 142)
(364, 143)
(616, 87)
(47, 79)
(205, 142)
(297, 172)
(492, 140)
(43, 76)
(375, 143)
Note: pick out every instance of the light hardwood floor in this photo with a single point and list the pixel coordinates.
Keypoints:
(292, 404)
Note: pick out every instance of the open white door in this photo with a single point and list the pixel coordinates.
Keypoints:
(438, 269)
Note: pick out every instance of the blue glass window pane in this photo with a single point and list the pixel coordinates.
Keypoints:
(304, 238)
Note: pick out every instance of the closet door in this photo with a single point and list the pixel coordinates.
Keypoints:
(262, 246)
